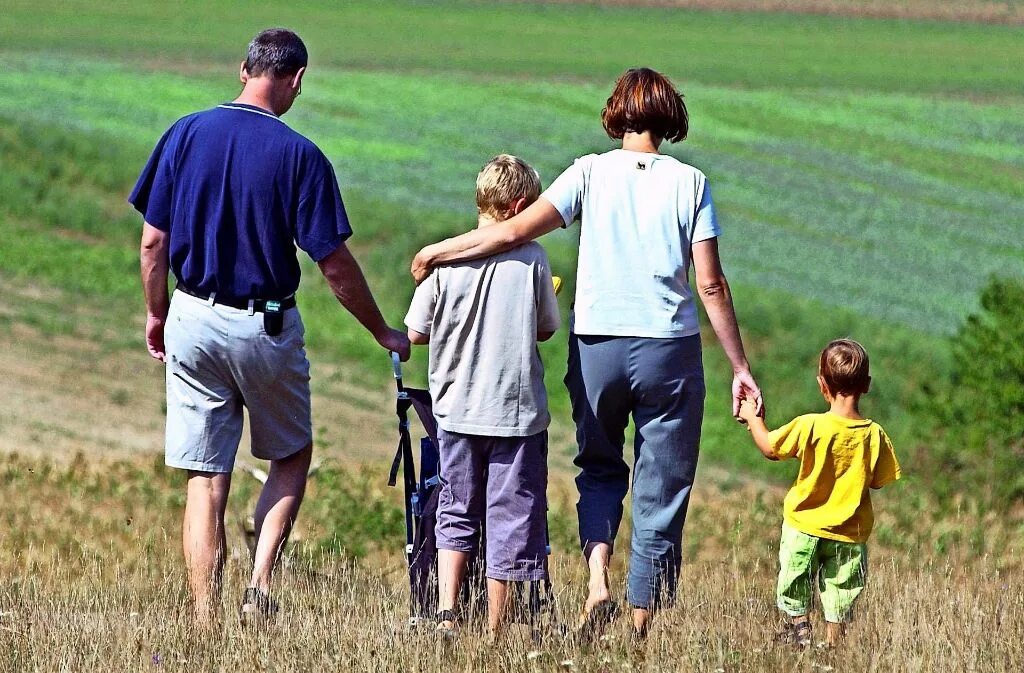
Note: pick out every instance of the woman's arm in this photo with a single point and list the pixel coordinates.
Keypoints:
(714, 293)
(536, 220)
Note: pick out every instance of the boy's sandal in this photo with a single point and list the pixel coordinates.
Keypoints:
(257, 607)
(447, 617)
(795, 634)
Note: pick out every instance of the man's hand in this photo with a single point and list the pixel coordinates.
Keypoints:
(745, 388)
(395, 341)
(421, 265)
(155, 338)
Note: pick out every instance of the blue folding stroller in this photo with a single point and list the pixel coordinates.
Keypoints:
(533, 603)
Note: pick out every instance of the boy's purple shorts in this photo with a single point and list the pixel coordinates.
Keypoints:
(506, 480)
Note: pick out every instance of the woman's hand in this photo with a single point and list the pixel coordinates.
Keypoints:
(744, 387)
(421, 265)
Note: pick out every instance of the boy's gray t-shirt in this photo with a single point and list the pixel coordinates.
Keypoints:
(486, 376)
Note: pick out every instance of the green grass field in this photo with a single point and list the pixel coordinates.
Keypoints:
(868, 177)
(869, 189)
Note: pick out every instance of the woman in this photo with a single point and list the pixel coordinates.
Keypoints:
(634, 337)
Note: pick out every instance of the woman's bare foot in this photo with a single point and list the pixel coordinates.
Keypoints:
(598, 557)
(641, 623)
(598, 594)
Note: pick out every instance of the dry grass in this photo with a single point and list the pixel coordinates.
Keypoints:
(342, 616)
(93, 582)
(981, 11)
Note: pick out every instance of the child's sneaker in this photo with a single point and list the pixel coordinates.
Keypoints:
(796, 634)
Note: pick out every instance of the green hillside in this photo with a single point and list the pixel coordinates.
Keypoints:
(868, 173)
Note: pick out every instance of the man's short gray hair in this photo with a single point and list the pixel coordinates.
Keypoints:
(276, 52)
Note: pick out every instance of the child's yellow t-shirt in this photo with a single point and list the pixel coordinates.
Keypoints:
(841, 459)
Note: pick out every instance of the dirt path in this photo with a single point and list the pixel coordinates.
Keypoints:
(65, 395)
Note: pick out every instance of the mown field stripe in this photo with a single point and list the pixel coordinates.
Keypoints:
(548, 40)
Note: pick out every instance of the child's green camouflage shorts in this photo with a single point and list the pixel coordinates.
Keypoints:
(839, 568)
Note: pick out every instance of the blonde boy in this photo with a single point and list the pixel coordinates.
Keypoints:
(482, 320)
(828, 514)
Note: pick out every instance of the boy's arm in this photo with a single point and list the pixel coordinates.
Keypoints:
(421, 313)
(758, 429)
(887, 468)
(549, 319)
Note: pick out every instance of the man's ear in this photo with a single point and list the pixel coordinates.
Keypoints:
(518, 206)
(243, 74)
(296, 82)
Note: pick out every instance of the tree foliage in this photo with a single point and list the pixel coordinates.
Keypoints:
(985, 405)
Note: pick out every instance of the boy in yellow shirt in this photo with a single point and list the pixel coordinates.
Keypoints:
(828, 515)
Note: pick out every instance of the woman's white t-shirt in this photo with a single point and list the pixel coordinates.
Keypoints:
(639, 214)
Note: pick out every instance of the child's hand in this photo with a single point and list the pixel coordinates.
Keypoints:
(748, 410)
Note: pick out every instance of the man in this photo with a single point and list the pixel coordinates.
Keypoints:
(227, 195)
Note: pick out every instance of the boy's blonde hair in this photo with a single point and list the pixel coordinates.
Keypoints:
(502, 181)
(844, 366)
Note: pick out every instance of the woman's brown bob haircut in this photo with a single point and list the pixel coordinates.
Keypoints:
(645, 100)
(845, 368)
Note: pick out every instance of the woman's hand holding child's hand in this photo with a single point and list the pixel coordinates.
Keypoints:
(748, 410)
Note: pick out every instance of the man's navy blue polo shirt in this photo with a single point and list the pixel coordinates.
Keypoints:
(238, 190)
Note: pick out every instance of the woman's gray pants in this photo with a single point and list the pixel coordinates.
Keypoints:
(661, 383)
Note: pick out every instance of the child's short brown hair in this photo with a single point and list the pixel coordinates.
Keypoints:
(645, 100)
(502, 181)
(844, 366)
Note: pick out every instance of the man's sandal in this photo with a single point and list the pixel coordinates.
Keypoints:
(257, 608)
(447, 617)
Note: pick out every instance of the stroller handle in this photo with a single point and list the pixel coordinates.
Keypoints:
(396, 365)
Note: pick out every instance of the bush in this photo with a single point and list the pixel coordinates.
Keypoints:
(985, 401)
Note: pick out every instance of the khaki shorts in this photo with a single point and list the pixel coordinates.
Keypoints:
(219, 360)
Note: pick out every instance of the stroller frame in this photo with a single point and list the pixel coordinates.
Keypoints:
(532, 603)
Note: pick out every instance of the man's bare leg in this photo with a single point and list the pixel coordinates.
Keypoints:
(203, 540)
(451, 570)
(497, 604)
(276, 511)
(599, 556)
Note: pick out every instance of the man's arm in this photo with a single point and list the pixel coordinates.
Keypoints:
(418, 338)
(348, 283)
(714, 293)
(154, 263)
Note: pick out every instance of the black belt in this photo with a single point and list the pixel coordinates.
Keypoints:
(258, 305)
